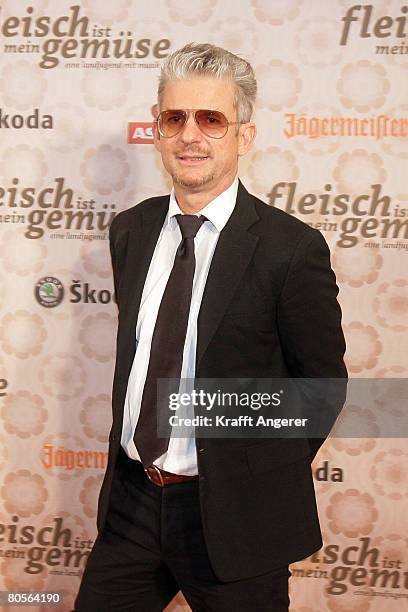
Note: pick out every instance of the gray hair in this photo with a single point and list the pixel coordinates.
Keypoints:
(203, 59)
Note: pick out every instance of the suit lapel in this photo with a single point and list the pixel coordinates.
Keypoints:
(232, 255)
(143, 235)
(142, 241)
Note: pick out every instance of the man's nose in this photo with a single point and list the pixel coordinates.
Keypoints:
(191, 132)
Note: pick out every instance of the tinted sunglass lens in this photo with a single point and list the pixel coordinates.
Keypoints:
(212, 123)
(171, 122)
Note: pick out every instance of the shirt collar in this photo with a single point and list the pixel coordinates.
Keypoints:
(218, 211)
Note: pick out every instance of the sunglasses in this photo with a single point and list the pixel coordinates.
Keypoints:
(212, 123)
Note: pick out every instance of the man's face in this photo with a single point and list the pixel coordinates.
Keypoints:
(196, 162)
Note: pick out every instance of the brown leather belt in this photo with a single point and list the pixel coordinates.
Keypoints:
(162, 478)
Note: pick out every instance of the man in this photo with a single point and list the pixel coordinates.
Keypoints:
(210, 282)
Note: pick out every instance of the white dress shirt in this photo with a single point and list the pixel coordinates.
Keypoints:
(180, 457)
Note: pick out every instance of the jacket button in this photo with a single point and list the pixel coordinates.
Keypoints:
(113, 437)
(201, 450)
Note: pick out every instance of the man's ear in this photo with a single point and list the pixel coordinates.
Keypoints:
(246, 137)
(156, 136)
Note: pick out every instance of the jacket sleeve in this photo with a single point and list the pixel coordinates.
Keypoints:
(309, 321)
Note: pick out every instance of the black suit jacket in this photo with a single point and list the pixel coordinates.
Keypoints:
(269, 310)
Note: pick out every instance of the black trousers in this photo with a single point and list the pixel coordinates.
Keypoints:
(153, 545)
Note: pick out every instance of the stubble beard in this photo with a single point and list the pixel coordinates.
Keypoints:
(191, 182)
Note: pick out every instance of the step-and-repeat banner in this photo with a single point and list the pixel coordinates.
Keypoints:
(77, 85)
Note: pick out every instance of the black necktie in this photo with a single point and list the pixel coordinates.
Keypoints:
(166, 352)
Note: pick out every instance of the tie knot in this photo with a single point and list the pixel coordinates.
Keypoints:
(189, 224)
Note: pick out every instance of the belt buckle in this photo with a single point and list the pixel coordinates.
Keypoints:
(158, 472)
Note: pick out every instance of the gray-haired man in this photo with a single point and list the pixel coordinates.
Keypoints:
(210, 283)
